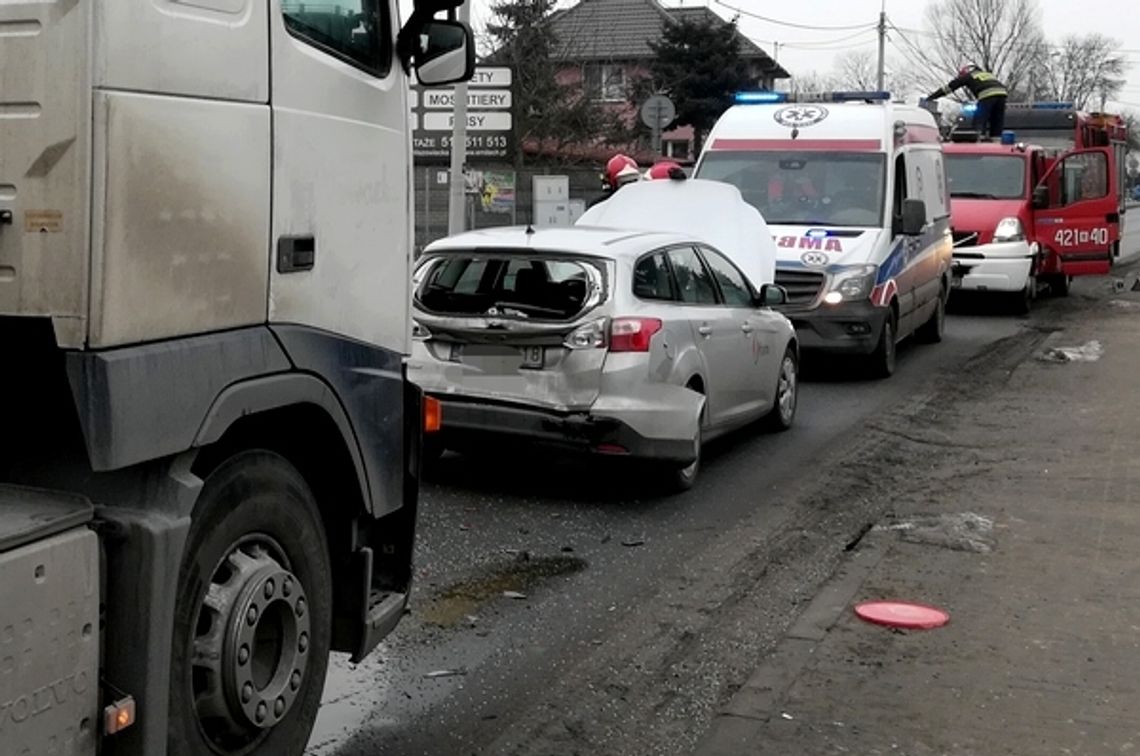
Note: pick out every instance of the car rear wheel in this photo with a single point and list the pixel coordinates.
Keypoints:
(783, 412)
(682, 478)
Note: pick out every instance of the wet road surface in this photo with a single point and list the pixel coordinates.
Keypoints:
(582, 548)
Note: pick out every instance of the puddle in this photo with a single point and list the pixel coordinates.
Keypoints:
(964, 531)
(1088, 352)
(454, 604)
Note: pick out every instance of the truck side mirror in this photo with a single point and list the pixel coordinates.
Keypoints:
(913, 217)
(771, 295)
(1040, 197)
(445, 53)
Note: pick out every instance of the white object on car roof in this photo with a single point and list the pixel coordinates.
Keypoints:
(711, 211)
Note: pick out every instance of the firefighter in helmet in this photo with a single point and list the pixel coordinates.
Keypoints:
(989, 118)
(666, 169)
(620, 170)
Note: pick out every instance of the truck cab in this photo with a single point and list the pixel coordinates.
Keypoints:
(209, 455)
(1023, 215)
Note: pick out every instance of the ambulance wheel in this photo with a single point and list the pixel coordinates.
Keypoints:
(932, 330)
(882, 360)
(253, 614)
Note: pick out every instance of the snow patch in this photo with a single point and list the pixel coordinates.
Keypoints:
(1088, 352)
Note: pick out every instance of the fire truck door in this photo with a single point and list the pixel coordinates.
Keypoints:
(1076, 211)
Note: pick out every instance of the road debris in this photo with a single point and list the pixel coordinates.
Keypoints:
(964, 531)
(636, 541)
(902, 615)
(446, 673)
(513, 595)
(1088, 352)
(787, 716)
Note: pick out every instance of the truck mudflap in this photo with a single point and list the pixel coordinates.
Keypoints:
(49, 624)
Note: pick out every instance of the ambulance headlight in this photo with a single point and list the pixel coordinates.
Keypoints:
(851, 284)
(1009, 229)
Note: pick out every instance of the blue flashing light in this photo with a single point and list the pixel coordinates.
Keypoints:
(818, 233)
(1008, 137)
(969, 108)
(760, 97)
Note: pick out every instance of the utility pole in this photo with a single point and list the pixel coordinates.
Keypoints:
(883, 46)
(457, 184)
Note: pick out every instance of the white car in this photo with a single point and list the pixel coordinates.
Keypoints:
(630, 343)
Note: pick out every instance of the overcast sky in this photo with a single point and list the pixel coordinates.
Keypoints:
(804, 50)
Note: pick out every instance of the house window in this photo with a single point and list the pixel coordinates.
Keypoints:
(678, 149)
(605, 82)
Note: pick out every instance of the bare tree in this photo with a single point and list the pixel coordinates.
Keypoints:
(858, 70)
(814, 81)
(1001, 36)
(1084, 70)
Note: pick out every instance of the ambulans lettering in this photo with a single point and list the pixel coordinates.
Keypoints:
(808, 242)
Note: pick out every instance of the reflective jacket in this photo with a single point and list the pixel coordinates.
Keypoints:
(982, 84)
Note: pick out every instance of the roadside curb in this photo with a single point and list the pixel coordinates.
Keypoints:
(739, 723)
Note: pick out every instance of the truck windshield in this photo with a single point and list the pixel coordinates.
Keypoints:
(805, 188)
(986, 176)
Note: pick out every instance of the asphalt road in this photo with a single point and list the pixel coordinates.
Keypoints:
(586, 552)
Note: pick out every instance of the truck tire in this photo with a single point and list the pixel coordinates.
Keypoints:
(253, 614)
(882, 360)
(1059, 285)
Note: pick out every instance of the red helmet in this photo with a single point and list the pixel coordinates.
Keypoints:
(621, 169)
(966, 69)
(665, 169)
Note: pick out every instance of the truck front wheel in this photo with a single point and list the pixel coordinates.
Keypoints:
(253, 618)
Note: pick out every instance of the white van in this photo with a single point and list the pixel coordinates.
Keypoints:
(854, 190)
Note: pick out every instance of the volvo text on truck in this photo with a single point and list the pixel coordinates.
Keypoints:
(209, 448)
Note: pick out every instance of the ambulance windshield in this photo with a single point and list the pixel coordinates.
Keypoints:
(805, 188)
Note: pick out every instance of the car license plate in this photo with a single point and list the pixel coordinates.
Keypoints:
(533, 357)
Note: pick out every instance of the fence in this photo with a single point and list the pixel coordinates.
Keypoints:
(432, 188)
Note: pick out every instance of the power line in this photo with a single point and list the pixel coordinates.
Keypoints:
(790, 24)
(1054, 45)
(826, 44)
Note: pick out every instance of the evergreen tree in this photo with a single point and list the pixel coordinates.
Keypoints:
(698, 64)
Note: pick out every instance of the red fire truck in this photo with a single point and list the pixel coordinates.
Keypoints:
(1066, 205)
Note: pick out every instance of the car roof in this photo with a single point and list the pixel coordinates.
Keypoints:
(586, 240)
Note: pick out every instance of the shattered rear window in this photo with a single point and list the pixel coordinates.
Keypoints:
(516, 286)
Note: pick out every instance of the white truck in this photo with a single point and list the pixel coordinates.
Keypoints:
(209, 449)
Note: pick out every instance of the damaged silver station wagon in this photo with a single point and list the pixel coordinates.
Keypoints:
(612, 342)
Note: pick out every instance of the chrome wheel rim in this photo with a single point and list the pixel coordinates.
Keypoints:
(786, 390)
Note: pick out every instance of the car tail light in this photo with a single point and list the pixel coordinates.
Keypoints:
(632, 334)
(589, 336)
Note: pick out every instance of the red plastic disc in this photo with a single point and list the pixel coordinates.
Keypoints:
(902, 614)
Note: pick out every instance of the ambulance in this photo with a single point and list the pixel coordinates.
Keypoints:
(853, 187)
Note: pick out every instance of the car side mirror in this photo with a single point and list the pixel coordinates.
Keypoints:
(444, 53)
(1040, 198)
(913, 217)
(771, 295)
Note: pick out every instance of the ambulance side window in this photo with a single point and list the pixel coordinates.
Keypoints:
(900, 194)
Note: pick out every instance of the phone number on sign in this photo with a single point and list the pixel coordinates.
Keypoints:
(474, 142)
